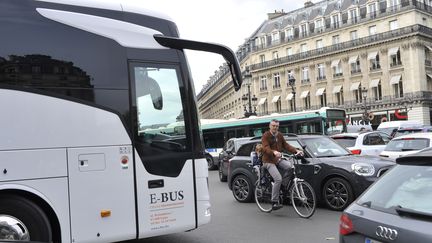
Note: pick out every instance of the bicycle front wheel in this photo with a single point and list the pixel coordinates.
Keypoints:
(263, 196)
(303, 199)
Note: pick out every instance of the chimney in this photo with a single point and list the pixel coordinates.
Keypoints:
(276, 14)
(308, 3)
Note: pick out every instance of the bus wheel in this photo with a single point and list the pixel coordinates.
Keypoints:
(22, 220)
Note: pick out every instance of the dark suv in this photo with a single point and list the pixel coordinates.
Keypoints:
(336, 175)
(229, 150)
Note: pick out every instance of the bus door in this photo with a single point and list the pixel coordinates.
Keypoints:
(166, 199)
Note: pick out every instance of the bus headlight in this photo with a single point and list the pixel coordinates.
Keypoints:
(363, 169)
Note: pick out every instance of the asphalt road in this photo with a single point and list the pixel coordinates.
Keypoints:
(243, 222)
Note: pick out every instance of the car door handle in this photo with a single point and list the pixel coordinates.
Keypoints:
(156, 183)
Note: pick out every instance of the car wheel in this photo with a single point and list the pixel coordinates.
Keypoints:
(242, 188)
(222, 177)
(337, 194)
(210, 164)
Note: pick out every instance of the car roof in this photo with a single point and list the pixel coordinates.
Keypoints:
(423, 157)
(416, 135)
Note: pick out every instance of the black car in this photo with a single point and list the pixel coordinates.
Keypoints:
(336, 175)
(229, 150)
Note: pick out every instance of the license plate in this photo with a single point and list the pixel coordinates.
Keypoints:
(211, 150)
(367, 240)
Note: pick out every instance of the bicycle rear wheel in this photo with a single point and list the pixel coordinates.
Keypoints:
(263, 196)
(303, 199)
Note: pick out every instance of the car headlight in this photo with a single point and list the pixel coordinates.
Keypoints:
(363, 169)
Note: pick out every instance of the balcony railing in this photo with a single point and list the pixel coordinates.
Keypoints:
(428, 63)
(396, 64)
(320, 78)
(356, 71)
(335, 75)
(375, 67)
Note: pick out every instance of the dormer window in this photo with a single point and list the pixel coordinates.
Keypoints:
(335, 21)
(353, 15)
(303, 30)
(275, 37)
(289, 33)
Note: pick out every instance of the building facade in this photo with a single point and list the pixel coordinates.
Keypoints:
(372, 58)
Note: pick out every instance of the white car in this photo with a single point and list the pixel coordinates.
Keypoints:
(407, 144)
(367, 143)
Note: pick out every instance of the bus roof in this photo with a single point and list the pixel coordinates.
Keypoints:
(208, 124)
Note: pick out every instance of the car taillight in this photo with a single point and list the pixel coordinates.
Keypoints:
(356, 151)
(345, 226)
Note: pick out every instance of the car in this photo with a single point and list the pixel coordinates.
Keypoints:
(391, 127)
(228, 151)
(397, 208)
(412, 129)
(407, 144)
(364, 143)
(336, 175)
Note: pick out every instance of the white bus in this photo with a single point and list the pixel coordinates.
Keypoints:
(81, 83)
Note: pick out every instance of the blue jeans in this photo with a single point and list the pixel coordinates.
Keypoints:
(277, 177)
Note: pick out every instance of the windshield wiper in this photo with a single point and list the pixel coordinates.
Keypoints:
(411, 212)
(407, 149)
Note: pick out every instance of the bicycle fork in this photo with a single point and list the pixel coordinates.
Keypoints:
(299, 190)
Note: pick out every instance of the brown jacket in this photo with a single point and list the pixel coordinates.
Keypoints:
(271, 143)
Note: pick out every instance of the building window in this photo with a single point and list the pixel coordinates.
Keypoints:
(335, 39)
(355, 66)
(358, 95)
(323, 99)
(377, 92)
(262, 58)
(372, 10)
(291, 105)
(289, 33)
(335, 21)
(276, 79)
(393, 24)
(305, 74)
(263, 41)
(353, 35)
(275, 55)
(278, 105)
(264, 107)
(395, 58)
(374, 62)
(275, 37)
(321, 71)
(372, 30)
(398, 89)
(289, 51)
(319, 44)
(307, 102)
(263, 83)
(337, 68)
(319, 25)
(393, 4)
(353, 16)
(339, 97)
(303, 30)
(303, 48)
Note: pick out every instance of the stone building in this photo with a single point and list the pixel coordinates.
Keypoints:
(373, 58)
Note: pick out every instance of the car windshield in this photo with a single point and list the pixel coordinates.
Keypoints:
(407, 144)
(345, 141)
(324, 147)
(404, 186)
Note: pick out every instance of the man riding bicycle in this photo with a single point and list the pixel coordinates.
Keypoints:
(273, 143)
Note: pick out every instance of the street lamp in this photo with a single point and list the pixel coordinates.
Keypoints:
(248, 100)
(365, 114)
(291, 82)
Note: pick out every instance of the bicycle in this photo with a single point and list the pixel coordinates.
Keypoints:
(297, 190)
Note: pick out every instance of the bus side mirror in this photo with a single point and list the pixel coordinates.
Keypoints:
(156, 95)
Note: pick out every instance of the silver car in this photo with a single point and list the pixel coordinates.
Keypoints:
(397, 208)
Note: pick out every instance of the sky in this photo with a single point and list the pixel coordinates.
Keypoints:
(227, 22)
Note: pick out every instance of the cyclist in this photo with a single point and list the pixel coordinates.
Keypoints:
(273, 143)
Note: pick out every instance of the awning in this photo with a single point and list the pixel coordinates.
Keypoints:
(337, 89)
(372, 55)
(289, 96)
(395, 79)
(430, 75)
(304, 94)
(374, 83)
(320, 91)
(262, 101)
(393, 51)
(335, 63)
(353, 59)
(275, 99)
(429, 47)
(355, 86)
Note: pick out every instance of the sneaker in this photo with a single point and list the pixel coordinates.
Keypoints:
(276, 206)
